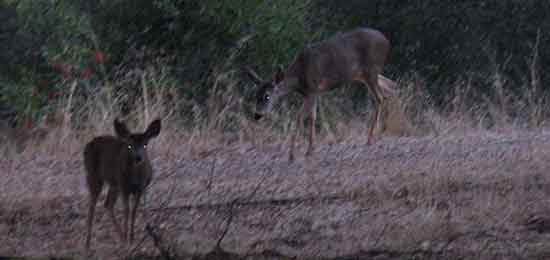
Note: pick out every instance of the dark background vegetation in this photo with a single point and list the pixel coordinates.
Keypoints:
(49, 43)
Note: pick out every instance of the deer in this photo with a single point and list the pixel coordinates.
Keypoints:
(122, 163)
(355, 56)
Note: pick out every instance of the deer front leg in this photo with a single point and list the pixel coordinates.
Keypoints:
(126, 202)
(133, 217)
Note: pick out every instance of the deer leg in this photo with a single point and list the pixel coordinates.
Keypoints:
(299, 126)
(133, 217)
(93, 201)
(110, 202)
(126, 203)
(378, 99)
(374, 121)
(95, 190)
(311, 104)
(381, 100)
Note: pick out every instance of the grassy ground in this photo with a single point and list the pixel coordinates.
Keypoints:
(476, 194)
(461, 182)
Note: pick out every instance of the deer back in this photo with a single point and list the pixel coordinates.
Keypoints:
(340, 58)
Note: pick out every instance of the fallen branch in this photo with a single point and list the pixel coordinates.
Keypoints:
(165, 253)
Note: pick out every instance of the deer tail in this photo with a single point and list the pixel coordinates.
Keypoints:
(388, 86)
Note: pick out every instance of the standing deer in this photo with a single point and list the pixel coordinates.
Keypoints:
(358, 55)
(122, 163)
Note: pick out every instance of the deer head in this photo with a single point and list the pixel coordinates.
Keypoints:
(269, 92)
(137, 143)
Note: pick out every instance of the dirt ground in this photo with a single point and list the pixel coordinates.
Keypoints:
(478, 195)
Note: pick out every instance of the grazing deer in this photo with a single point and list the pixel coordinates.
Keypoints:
(122, 163)
(358, 55)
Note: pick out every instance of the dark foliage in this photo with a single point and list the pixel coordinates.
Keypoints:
(48, 43)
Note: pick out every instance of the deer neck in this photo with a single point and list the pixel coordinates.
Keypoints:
(140, 176)
(137, 185)
(284, 87)
(141, 167)
(294, 75)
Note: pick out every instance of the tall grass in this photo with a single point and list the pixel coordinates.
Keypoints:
(140, 94)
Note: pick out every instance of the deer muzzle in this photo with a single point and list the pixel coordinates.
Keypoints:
(258, 116)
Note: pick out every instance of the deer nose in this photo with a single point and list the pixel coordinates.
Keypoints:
(139, 158)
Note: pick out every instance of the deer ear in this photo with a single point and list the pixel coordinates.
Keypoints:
(120, 129)
(279, 74)
(252, 75)
(153, 130)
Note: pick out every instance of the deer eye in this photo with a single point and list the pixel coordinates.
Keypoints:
(130, 147)
(267, 97)
(145, 146)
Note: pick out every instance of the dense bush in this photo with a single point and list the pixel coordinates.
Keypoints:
(49, 43)
(446, 41)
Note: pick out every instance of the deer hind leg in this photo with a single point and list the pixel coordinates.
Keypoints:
(137, 197)
(95, 188)
(312, 107)
(299, 126)
(110, 202)
(371, 80)
(374, 120)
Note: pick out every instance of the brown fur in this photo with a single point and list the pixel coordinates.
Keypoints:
(122, 163)
(358, 55)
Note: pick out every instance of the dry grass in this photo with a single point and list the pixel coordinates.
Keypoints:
(455, 189)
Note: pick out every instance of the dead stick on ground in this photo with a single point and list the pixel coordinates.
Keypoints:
(231, 213)
(158, 242)
(211, 176)
(227, 225)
